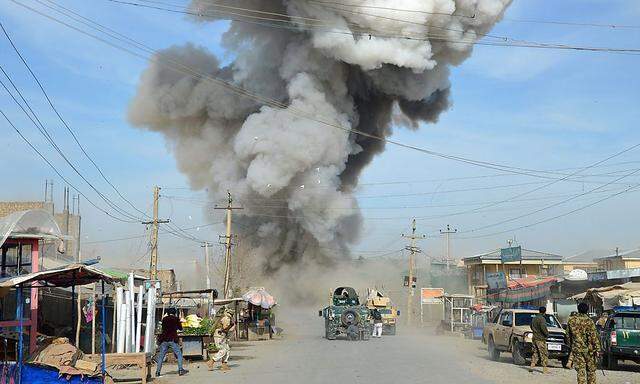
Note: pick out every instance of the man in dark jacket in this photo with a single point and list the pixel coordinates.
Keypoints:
(540, 334)
(377, 323)
(169, 338)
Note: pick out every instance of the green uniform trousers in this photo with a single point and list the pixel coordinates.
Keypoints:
(540, 353)
(585, 364)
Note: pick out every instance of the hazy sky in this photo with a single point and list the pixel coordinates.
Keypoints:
(530, 108)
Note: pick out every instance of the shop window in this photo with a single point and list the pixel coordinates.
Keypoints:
(515, 273)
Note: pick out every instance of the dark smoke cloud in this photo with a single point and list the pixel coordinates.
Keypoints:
(295, 176)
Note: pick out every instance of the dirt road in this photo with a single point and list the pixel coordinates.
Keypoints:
(416, 356)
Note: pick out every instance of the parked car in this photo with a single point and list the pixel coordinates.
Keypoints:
(510, 331)
(620, 337)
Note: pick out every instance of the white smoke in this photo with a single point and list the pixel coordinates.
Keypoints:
(293, 175)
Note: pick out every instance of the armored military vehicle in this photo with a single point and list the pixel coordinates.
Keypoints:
(346, 316)
(377, 300)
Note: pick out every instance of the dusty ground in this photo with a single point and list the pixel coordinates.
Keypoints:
(416, 356)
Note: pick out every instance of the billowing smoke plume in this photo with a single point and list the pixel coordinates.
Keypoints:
(355, 68)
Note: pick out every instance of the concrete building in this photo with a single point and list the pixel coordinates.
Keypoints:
(534, 263)
(584, 261)
(619, 260)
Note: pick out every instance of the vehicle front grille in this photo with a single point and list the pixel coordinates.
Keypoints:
(555, 337)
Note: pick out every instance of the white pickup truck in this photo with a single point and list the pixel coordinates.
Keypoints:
(510, 331)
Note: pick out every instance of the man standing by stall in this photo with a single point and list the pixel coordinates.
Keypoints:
(223, 328)
(169, 338)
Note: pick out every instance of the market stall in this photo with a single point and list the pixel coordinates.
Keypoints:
(457, 312)
(65, 277)
(606, 298)
(259, 319)
(196, 308)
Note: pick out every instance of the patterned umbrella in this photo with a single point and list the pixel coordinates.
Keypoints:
(259, 297)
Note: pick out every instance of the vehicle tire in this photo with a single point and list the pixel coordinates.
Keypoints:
(350, 317)
(494, 354)
(612, 362)
(329, 333)
(516, 353)
(353, 333)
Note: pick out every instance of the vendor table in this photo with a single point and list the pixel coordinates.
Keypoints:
(195, 345)
(141, 360)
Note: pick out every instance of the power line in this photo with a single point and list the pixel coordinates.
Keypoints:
(515, 20)
(175, 228)
(547, 207)
(261, 99)
(626, 190)
(58, 172)
(163, 232)
(64, 122)
(501, 41)
(35, 120)
(546, 185)
(558, 171)
(392, 9)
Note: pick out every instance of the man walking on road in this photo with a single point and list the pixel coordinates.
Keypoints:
(377, 323)
(540, 334)
(585, 345)
(169, 338)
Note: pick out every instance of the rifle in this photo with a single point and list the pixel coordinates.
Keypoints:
(597, 356)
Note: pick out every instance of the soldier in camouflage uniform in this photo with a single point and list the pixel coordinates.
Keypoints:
(224, 325)
(585, 345)
(540, 334)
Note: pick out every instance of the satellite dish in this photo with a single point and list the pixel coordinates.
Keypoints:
(577, 275)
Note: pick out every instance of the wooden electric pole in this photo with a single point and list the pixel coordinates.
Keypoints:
(412, 251)
(153, 265)
(228, 237)
(446, 233)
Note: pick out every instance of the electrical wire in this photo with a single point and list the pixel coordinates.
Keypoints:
(64, 122)
(515, 20)
(264, 100)
(33, 117)
(175, 230)
(626, 190)
(546, 185)
(160, 232)
(546, 207)
(240, 91)
(15, 128)
(501, 41)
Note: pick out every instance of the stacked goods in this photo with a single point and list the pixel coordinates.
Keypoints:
(201, 327)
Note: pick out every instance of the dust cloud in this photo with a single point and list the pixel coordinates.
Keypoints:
(355, 65)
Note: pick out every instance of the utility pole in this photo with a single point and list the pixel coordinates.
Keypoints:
(446, 234)
(153, 265)
(227, 256)
(413, 250)
(207, 263)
